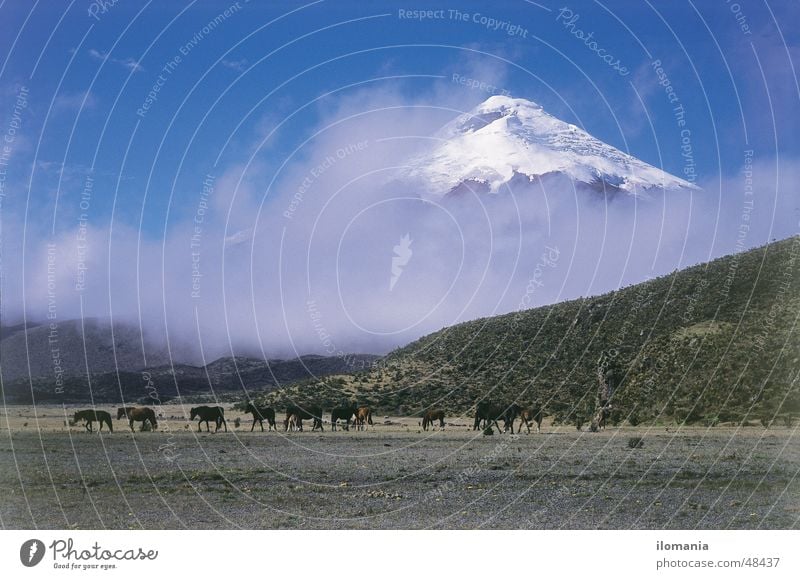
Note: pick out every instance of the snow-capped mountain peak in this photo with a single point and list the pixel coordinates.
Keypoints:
(504, 138)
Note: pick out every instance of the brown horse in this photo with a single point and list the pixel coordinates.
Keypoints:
(432, 416)
(207, 414)
(528, 415)
(600, 418)
(91, 416)
(363, 417)
(138, 414)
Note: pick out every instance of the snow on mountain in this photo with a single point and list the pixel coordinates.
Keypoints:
(504, 139)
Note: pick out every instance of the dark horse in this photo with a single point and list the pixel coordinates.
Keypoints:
(260, 415)
(491, 413)
(432, 416)
(342, 413)
(310, 413)
(138, 414)
(207, 414)
(90, 416)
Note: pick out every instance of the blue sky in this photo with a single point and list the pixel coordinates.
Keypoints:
(60, 55)
(241, 92)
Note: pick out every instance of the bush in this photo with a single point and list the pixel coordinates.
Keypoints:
(635, 442)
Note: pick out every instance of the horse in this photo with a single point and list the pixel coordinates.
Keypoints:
(599, 420)
(511, 413)
(292, 423)
(486, 411)
(207, 414)
(91, 416)
(363, 417)
(261, 414)
(342, 413)
(138, 414)
(528, 415)
(431, 416)
(311, 413)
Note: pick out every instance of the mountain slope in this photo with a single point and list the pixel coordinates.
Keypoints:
(221, 378)
(504, 139)
(712, 343)
(75, 346)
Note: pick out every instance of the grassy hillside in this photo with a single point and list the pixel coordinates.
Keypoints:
(712, 343)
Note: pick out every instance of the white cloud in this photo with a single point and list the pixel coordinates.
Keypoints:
(237, 65)
(75, 101)
(471, 258)
(128, 62)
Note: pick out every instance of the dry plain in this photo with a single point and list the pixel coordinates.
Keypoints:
(391, 476)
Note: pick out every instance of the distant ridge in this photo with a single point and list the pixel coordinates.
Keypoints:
(117, 370)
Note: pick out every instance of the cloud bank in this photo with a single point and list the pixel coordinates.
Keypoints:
(332, 252)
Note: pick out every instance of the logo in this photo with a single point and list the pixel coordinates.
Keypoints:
(32, 552)
(402, 254)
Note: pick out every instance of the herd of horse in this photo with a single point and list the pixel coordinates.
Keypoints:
(487, 417)
(359, 416)
(141, 414)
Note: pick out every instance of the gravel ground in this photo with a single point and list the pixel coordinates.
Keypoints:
(394, 476)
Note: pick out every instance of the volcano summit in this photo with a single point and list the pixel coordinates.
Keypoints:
(506, 141)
